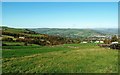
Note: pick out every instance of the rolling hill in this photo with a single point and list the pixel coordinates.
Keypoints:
(72, 33)
(68, 32)
(77, 33)
(16, 35)
(107, 31)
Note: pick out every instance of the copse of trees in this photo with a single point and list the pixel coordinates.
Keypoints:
(7, 39)
(107, 41)
(114, 38)
(119, 39)
(29, 31)
(115, 46)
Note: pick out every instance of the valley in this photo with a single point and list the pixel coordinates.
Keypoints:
(26, 51)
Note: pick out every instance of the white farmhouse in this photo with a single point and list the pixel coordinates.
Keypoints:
(22, 37)
(84, 42)
(114, 43)
(101, 41)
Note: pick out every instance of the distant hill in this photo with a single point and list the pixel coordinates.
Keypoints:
(72, 33)
(107, 31)
(77, 33)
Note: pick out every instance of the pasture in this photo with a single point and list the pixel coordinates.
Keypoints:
(67, 58)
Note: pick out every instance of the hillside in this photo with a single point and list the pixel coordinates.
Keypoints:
(20, 31)
(107, 31)
(67, 58)
(73, 33)
(15, 36)
(25, 51)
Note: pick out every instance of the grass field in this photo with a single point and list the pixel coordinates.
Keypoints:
(67, 58)
(13, 44)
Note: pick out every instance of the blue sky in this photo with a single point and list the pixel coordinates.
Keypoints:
(60, 0)
(60, 14)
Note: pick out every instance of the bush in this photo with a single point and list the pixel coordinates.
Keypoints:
(25, 43)
(3, 44)
(107, 41)
(114, 38)
(7, 39)
(115, 46)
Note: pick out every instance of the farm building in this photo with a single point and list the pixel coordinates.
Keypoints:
(99, 42)
(96, 39)
(84, 42)
(114, 43)
(22, 37)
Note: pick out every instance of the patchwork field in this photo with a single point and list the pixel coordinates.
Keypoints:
(67, 58)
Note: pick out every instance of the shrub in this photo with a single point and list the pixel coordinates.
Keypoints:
(115, 46)
(3, 44)
(25, 43)
(107, 41)
(7, 39)
(114, 38)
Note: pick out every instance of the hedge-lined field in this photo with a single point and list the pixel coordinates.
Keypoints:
(67, 58)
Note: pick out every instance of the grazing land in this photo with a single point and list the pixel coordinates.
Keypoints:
(59, 37)
(26, 51)
(66, 58)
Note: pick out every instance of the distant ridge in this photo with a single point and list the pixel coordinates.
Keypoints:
(77, 33)
(108, 31)
(72, 33)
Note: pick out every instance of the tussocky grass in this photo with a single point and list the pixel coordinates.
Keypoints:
(67, 58)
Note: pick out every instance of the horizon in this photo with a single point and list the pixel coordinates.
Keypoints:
(56, 28)
(60, 14)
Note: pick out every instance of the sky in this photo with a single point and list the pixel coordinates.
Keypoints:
(60, 0)
(60, 14)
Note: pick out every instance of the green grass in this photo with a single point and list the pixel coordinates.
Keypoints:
(35, 35)
(18, 51)
(12, 44)
(20, 31)
(67, 58)
(15, 30)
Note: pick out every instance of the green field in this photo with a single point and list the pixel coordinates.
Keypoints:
(12, 44)
(67, 58)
